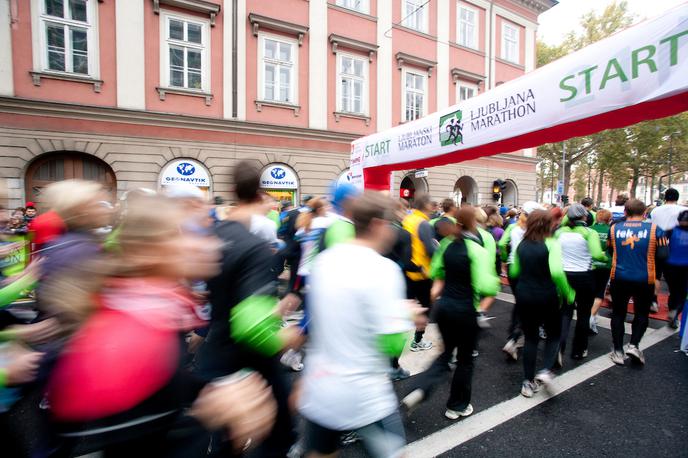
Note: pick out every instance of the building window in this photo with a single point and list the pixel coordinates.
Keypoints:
(277, 68)
(465, 92)
(510, 42)
(468, 27)
(415, 14)
(352, 85)
(414, 95)
(362, 6)
(185, 53)
(67, 36)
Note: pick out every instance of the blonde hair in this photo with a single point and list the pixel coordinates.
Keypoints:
(69, 198)
(495, 220)
(480, 216)
(316, 206)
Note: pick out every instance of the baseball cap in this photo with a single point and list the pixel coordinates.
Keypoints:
(577, 211)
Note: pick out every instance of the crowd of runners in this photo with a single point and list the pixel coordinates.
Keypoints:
(163, 326)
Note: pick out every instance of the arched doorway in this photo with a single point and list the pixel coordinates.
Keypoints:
(410, 186)
(510, 194)
(59, 166)
(465, 191)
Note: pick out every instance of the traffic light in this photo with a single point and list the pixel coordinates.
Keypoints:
(564, 200)
(496, 189)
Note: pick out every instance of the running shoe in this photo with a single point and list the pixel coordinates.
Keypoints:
(521, 342)
(618, 357)
(456, 414)
(399, 374)
(559, 363)
(543, 334)
(421, 346)
(635, 354)
(293, 360)
(529, 388)
(580, 356)
(475, 353)
(545, 378)
(483, 321)
(673, 319)
(412, 400)
(511, 349)
(654, 308)
(593, 325)
(350, 438)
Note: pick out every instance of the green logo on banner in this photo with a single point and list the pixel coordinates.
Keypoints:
(451, 129)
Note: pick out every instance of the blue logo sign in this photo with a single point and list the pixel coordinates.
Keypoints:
(278, 173)
(186, 169)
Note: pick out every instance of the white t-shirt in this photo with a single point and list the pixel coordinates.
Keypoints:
(265, 228)
(618, 212)
(356, 295)
(575, 254)
(516, 236)
(666, 216)
(310, 242)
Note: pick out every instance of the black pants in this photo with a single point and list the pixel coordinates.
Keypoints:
(677, 279)
(539, 308)
(459, 328)
(621, 292)
(515, 326)
(584, 285)
(419, 290)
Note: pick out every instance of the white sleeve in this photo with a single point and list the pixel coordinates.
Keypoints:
(389, 311)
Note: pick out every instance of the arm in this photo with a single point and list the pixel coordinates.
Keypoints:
(484, 280)
(556, 269)
(437, 262)
(504, 243)
(662, 247)
(515, 267)
(392, 345)
(389, 313)
(426, 235)
(595, 245)
(13, 291)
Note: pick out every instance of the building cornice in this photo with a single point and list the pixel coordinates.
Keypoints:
(30, 107)
(539, 6)
(257, 21)
(407, 59)
(200, 6)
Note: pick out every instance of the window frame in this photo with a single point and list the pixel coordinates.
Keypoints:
(424, 75)
(39, 19)
(425, 27)
(366, 85)
(165, 42)
(465, 85)
(294, 87)
(365, 6)
(476, 26)
(517, 47)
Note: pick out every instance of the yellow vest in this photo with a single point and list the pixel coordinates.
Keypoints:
(418, 254)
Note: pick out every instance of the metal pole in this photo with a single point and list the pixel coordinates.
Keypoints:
(563, 172)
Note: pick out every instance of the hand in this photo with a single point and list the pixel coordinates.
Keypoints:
(195, 342)
(246, 409)
(23, 366)
(36, 333)
(288, 304)
(418, 315)
(292, 337)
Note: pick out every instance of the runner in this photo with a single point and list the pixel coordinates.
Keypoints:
(507, 246)
(423, 245)
(540, 291)
(600, 269)
(465, 275)
(359, 320)
(618, 210)
(676, 272)
(580, 245)
(246, 285)
(636, 246)
(666, 216)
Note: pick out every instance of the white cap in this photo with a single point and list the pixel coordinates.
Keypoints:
(184, 191)
(530, 206)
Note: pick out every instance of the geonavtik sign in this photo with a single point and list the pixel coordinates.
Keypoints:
(640, 73)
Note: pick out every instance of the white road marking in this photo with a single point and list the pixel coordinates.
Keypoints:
(506, 297)
(466, 429)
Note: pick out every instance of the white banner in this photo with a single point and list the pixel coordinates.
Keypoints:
(646, 62)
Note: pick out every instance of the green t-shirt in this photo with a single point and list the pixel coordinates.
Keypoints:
(340, 231)
(603, 231)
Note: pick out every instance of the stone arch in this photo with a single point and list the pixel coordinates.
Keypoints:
(510, 194)
(465, 191)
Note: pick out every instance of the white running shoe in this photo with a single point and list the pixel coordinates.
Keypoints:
(293, 360)
(511, 349)
(635, 354)
(483, 321)
(545, 378)
(529, 388)
(421, 346)
(654, 308)
(618, 357)
(456, 414)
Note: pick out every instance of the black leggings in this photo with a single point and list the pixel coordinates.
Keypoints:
(539, 309)
(677, 279)
(459, 328)
(584, 285)
(621, 292)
